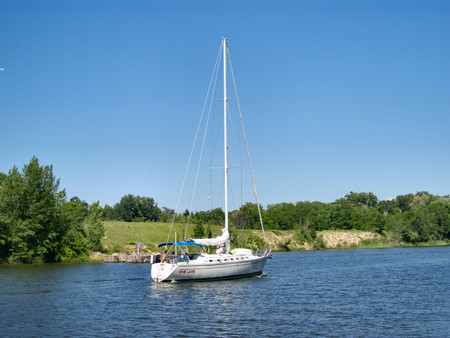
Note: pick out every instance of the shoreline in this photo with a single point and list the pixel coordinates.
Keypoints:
(121, 257)
(130, 258)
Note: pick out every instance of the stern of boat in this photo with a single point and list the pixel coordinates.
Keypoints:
(161, 271)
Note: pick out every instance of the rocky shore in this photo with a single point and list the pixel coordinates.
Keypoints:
(121, 257)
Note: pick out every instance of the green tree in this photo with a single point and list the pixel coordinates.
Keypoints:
(247, 217)
(95, 230)
(73, 244)
(440, 213)
(404, 202)
(84, 205)
(217, 216)
(31, 206)
(167, 214)
(199, 230)
(395, 227)
(422, 199)
(148, 209)
(361, 198)
(318, 217)
(202, 216)
(109, 213)
(388, 207)
(127, 209)
(208, 231)
(137, 208)
(374, 221)
(282, 216)
(11, 190)
(346, 216)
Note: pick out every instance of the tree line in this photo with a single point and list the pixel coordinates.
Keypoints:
(39, 223)
(411, 218)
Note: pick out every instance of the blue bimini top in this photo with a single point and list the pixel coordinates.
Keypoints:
(180, 244)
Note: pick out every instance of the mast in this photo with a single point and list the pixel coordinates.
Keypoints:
(225, 141)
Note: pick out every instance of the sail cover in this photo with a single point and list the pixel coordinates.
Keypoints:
(222, 239)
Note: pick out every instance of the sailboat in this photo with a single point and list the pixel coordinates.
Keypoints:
(225, 263)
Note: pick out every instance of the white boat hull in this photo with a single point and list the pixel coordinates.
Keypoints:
(209, 267)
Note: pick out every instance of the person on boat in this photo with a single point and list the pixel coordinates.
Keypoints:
(185, 255)
(164, 257)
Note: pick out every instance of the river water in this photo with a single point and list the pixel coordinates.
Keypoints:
(382, 292)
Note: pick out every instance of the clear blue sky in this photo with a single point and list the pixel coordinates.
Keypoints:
(338, 96)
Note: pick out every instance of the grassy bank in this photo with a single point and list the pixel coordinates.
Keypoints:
(123, 236)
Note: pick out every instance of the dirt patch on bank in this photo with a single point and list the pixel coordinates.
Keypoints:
(274, 239)
(334, 239)
(279, 240)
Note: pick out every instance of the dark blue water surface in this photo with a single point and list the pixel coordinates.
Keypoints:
(384, 292)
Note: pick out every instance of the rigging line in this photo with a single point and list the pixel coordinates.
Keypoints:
(231, 203)
(210, 163)
(193, 145)
(210, 190)
(234, 126)
(217, 126)
(242, 208)
(248, 154)
(239, 143)
(214, 137)
(216, 70)
(198, 168)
